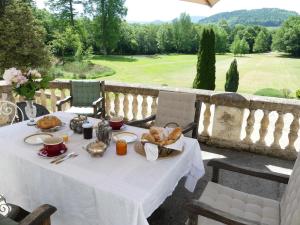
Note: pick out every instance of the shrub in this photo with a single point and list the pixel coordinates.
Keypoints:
(298, 93)
(82, 76)
(232, 78)
(286, 92)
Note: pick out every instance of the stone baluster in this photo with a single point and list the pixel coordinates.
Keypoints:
(264, 128)
(154, 105)
(144, 106)
(135, 106)
(278, 131)
(43, 98)
(206, 121)
(250, 127)
(53, 100)
(126, 106)
(107, 103)
(63, 96)
(293, 135)
(117, 104)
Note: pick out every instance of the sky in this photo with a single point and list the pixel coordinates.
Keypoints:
(165, 10)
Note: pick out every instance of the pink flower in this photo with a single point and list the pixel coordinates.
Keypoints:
(10, 74)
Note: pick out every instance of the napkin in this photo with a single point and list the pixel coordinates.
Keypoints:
(151, 150)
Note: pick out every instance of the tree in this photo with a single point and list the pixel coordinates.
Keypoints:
(165, 39)
(22, 38)
(206, 68)
(287, 38)
(184, 33)
(244, 47)
(236, 46)
(109, 15)
(66, 43)
(261, 42)
(232, 78)
(221, 39)
(65, 9)
(239, 47)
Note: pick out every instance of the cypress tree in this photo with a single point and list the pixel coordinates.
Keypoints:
(206, 66)
(232, 78)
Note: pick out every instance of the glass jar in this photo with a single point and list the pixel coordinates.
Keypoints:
(121, 147)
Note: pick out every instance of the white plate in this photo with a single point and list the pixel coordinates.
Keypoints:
(36, 139)
(127, 136)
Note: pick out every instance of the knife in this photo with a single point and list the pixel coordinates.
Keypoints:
(61, 157)
(72, 155)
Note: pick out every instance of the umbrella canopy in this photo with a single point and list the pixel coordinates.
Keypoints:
(204, 2)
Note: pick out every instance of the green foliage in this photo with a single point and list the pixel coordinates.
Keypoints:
(206, 68)
(165, 38)
(65, 9)
(263, 17)
(21, 38)
(232, 78)
(66, 43)
(239, 47)
(109, 15)
(287, 38)
(298, 93)
(262, 43)
(221, 39)
(270, 92)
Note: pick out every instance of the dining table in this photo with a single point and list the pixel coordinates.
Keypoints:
(86, 190)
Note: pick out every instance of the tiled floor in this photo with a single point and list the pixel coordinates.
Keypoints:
(172, 211)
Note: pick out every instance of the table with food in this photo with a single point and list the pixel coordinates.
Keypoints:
(95, 172)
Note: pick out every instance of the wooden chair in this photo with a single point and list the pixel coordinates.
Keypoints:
(87, 98)
(40, 110)
(18, 216)
(181, 108)
(222, 205)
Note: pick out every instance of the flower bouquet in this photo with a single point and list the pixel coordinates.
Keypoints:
(26, 84)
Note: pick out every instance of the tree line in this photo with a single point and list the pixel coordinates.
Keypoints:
(101, 28)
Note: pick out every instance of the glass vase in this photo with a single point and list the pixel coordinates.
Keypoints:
(30, 111)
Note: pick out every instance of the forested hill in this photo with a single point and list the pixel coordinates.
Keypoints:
(268, 17)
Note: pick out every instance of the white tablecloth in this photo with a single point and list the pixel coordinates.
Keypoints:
(113, 190)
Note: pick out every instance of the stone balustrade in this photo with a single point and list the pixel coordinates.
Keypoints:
(244, 122)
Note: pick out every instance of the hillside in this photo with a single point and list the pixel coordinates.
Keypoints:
(268, 17)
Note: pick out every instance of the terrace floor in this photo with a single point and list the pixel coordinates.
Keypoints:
(172, 211)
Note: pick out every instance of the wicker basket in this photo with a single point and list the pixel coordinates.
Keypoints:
(162, 151)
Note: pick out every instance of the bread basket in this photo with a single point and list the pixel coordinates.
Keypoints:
(162, 150)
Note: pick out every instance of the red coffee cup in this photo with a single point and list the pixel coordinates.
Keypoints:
(54, 146)
(116, 123)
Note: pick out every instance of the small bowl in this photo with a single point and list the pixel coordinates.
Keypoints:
(96, 149)
(116, 123)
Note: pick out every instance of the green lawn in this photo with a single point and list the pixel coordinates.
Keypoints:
(257, 71)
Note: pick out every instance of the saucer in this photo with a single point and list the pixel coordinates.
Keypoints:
(43, 153)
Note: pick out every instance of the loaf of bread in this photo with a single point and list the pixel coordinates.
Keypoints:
(157, 135)
(48, 122)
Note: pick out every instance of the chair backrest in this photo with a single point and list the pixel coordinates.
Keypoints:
(175, 107)
(9, 113)
(40, 110)
(290, 202)
(84, 93)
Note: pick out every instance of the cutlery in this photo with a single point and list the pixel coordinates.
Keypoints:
(61, 157)
(66, 158)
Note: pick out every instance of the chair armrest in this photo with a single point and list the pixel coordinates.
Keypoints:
(189, 127)
(141, 122)
(39, 215)
(218, 164)
(200, 208)
(63, 101)
(97, 102)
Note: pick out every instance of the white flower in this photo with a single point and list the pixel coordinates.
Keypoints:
(34, 73)
(10, 74)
